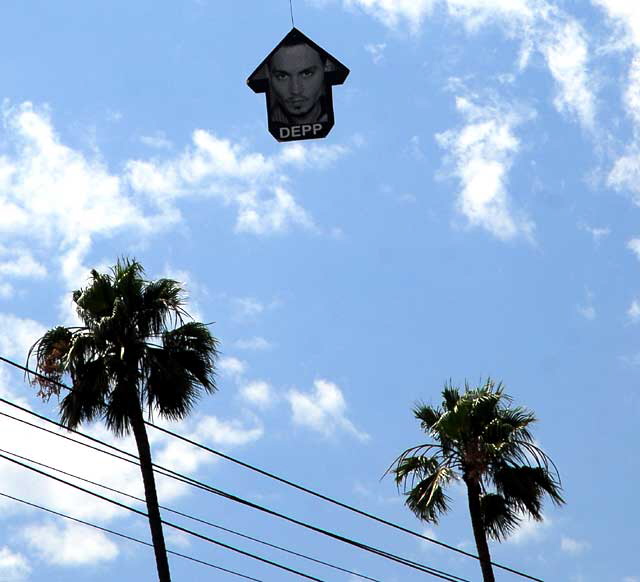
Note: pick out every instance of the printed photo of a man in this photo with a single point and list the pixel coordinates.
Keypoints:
(298, 77)
(296, 74)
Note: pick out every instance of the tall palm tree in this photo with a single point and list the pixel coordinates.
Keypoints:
(134, 351)
(484, 442)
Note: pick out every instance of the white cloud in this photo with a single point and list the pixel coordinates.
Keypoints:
(227, 432)
(276, 214)
(231, 366)
(597, 233)
(540, 25)
(567, 55)
(57, 200)
(573, 546)
(248, 307)
(530, 530)
(71, 545)
(323, 410)
(13, 566)
(396, 13)
(376, 50)
(631, 579)
(587, 311)
(257, 392)
(634, 246)
(415, 149)
(481, 154)
(429, 533)
(53, 196)
(255, 343)
(20, 263)
(17, 335)
(634, 311)
(158, 140)
(476, 13)
(625, 173)
(626, 17)
(252, 182)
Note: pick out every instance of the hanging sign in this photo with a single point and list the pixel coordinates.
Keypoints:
(297, 77)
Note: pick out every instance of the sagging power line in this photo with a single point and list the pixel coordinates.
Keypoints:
(296, 485)
(127, 537)
(131, 458)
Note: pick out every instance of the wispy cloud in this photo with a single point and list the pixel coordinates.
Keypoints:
(396, 13)
(376, 51)
(257, 392)
(573, 546)
(530, 530)
(597, 233)
(480, 154)
(14, 567)
(69, 545)
(323, 410)
(255, 343)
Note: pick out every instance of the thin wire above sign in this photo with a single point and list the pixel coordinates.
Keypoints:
(297, 77)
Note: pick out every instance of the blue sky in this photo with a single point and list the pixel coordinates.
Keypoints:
(473, 212)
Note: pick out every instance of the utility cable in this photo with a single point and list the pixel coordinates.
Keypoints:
(164, 522)
(300, 487)
(191, 517)
(127, 537)
(208, 488)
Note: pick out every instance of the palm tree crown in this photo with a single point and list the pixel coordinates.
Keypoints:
(483, 441)
(134, 351)
(134, 343)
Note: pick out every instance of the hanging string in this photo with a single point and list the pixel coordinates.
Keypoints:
(291, 10)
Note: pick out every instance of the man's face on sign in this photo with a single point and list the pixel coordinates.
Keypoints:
(296, 75)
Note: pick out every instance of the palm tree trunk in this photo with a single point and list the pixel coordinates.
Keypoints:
(151, 496)
(473, 495)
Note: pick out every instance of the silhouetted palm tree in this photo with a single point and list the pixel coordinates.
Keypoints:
(134, 351)
(487, 444)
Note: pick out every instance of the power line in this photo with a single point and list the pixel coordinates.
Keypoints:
(326, 498)
(168, 523)
(298, 486)
(208, 488)
(128, 537)
(203, 521)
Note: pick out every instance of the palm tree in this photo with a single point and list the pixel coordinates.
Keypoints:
(483, 441)
(134, 351)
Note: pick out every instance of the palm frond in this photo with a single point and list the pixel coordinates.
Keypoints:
(427, 415)
(498, 517)
(87, 400)
(162, 304)
(417, 451)
(427, 499)
(177, 372)
(450, 396)
(51, 352)
(524, 488)
(96, 300)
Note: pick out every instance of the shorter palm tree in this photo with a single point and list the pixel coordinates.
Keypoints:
(133, 352)
(484, 442)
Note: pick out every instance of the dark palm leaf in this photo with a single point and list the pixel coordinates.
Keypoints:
(427, 415)
(524, 488)
(87, 401)
(499, 519)
(450, 396)
(427, 499)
